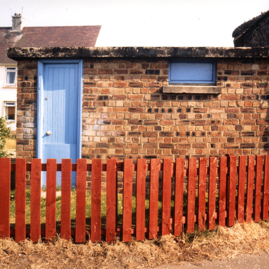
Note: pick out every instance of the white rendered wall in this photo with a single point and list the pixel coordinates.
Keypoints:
(7, 93)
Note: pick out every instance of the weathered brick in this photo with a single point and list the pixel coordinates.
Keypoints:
(126, 114)
(135, 109)
(166, 145)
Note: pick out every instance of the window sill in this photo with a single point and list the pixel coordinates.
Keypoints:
(192, 89)
(11, 86)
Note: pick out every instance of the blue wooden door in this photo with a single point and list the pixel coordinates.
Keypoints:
(59, 131)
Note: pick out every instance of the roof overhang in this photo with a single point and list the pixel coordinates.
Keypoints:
(17, 53)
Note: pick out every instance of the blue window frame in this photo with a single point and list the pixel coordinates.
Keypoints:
(192, 71)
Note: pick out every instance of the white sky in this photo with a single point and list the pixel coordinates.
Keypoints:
(142, 22)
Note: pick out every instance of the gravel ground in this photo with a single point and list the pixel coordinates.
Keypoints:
(253, 261)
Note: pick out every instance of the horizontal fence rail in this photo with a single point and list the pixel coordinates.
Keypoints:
(193, 192)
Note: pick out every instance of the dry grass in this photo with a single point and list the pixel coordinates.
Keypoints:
(10, 144)
(219, 244)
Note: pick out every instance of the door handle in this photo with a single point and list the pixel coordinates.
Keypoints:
(48, 133)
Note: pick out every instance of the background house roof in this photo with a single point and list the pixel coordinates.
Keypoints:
(244, 27)
(62, 36)
(7, 40)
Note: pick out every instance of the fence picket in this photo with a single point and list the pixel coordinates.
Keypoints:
(50, 231)
(127, 200)
(117, 198)
(66, 199)
(222, 191)
(179, 179)
(191, 195)
(35, 228)
(249, 208)
(80, 235)
(201, 194)
(231, 190)
(212, 194)
(259, 167)
(96, 200)
(241, 189)
(20, 188)
(153, 199)
(140, 199)
(5, 171)
(166, 197)
(111, 200)
(265, 189)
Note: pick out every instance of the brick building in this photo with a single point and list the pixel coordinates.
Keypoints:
(137, 103)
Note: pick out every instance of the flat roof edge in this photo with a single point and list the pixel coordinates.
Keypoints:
(18, 53)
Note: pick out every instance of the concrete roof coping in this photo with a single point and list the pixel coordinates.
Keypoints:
(18, 53)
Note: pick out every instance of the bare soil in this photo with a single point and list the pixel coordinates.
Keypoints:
(168, 252)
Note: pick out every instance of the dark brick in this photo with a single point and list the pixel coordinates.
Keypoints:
(238, 128)
(247, 133)
(222, 78)
(231, 72)
(248, 145)
(135, 122)
(152, 72)
(248, 85)
(247, 72)
(150, 156)
(134, 133)
(200, 110)
(231, 116)
(166, 145)
(155, 97)
(136, 84)
(135, 109)
(169, 134)
(150, 122)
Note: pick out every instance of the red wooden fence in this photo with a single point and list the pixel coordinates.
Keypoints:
(238, 187)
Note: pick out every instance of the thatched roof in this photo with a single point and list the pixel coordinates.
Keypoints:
(244, 27)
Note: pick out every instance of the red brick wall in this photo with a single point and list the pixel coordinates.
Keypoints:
(125, 113)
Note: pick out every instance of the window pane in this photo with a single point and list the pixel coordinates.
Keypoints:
(9, 103)
(10, 113)
(11, 76)
(192, 72)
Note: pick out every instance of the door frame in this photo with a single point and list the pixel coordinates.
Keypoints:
(40, 98)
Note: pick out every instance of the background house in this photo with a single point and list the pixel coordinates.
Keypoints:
(253, 33)
(8, 71)
(19, 36)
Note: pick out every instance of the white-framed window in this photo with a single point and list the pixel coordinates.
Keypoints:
(10, 76)
(9, 110)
